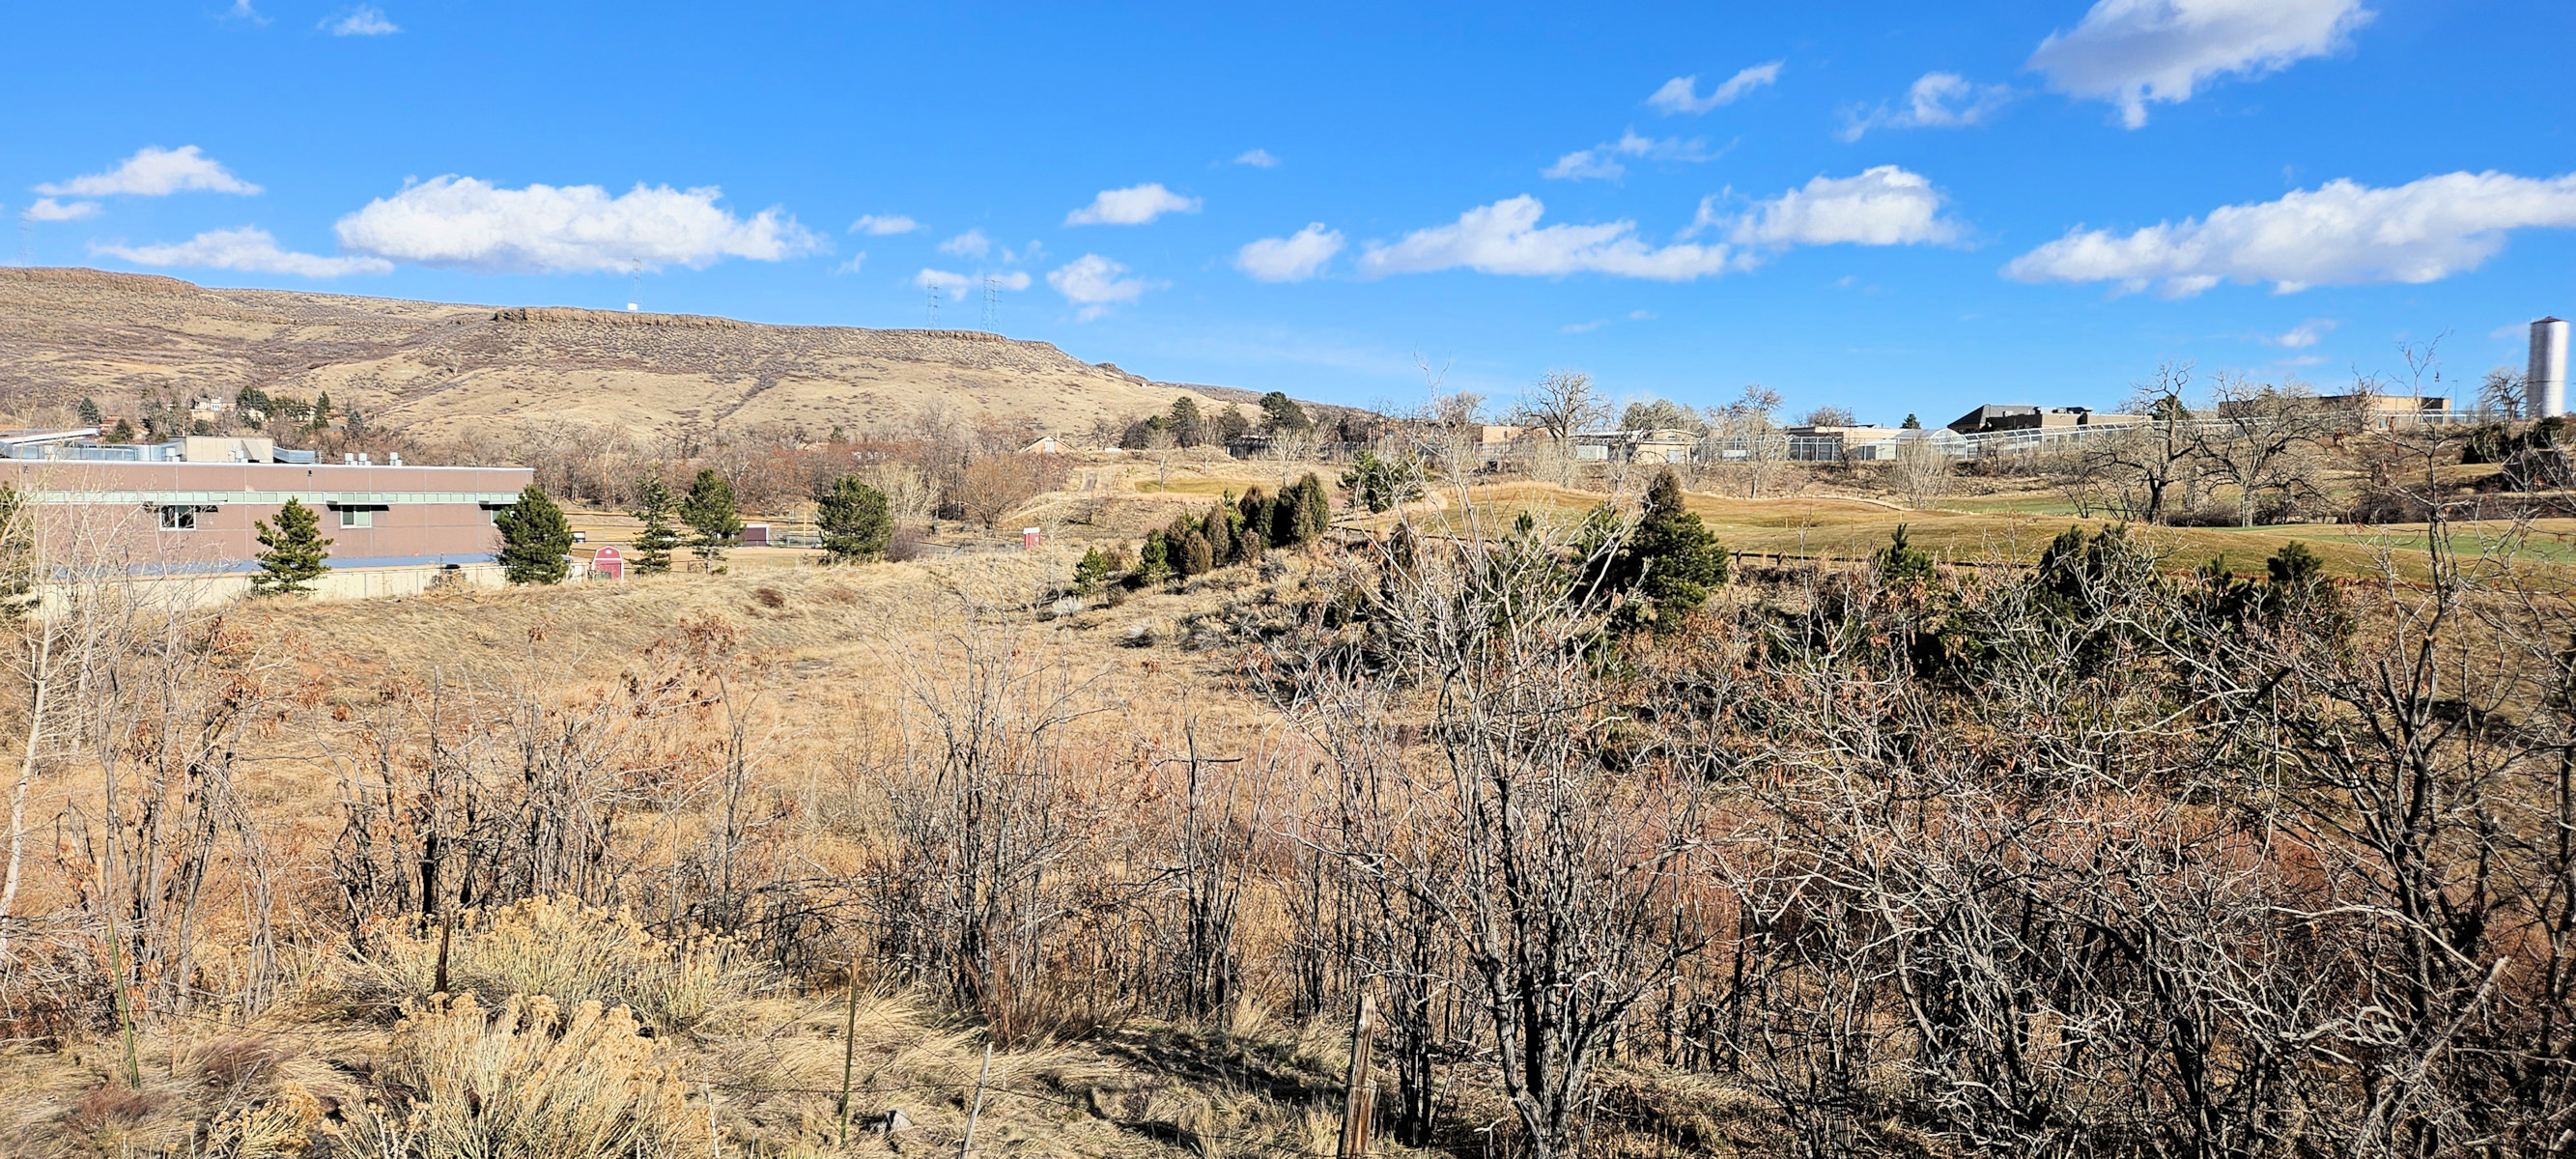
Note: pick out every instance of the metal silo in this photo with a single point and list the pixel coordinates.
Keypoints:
(2547, 379)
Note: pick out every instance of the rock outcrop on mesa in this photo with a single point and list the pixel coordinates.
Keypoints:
(447, 371)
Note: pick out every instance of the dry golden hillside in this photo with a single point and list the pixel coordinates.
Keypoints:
(450, 371)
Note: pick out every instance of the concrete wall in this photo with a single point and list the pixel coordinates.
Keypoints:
(199, 591)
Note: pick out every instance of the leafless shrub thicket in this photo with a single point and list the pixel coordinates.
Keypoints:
(2101, 857)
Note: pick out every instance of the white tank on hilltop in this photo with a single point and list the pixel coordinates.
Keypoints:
(2546, 380)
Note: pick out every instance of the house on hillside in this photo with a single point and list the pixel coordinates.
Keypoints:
(1044, 446)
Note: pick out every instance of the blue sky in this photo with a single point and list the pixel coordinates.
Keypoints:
(1896, 207)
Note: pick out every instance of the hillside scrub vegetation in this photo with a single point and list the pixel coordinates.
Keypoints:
(1631, 846)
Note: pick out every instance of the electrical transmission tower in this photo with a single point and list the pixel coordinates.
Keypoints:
(992, 305)
(934, 306)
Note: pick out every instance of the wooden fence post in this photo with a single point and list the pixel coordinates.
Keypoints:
(849, 1050)
(966, 1145)
(1356, 1090)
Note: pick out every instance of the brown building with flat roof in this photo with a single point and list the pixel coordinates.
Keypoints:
(200, 515)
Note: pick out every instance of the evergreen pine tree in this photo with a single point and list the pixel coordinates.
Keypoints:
(89, 412)
(322, 411)
(1670, 560)
(1255, 508)
(2298, 589)
(1900, 562)
(710, 512)
(854, 521)
(1188, 426)
(1283, 416)
(1286, 516)
(654, 506)
(1089, 574)
(1196, 557)
(1153, 561)
(1912, 423)
(1176, 537)
(1219, 525)
(297, 553)
(534, 538)
(1314, 509)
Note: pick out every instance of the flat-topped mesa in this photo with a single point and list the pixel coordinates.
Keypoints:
(98, 279)
(496, 374)
(576, 315)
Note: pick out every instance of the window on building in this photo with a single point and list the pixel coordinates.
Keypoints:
(178, 519)
(357, 517)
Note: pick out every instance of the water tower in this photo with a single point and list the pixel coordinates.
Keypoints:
(2546, 381)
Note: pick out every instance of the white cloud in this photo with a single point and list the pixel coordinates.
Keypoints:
(241, 10)
(1641, 315)
(870, 223)
(48, 209)
(154, 172)
(2341, 233)
(1583, 327)
(1885, 205)
(2301, 336)
(1505, 238)
(949, 285)
(1681, 95)
(1134, 205)
(971, 244)
(1294, 258)
(2130, 52)
(468, 224)
(1602, 161)
(960, 285)
(1095, 283)
(1940, 100)
(363, 20)
(249, 248)
(1257, 158)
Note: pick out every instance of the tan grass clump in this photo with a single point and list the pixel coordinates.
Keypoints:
(571, 953)
(526, 1081)
(271, 1129)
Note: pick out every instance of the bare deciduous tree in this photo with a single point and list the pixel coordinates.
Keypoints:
(2257, 437)
(1920, 474)
(2146, 464)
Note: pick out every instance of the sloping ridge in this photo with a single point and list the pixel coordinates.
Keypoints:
(451, 371)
